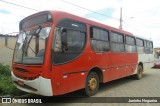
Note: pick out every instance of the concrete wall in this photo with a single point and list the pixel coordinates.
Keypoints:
(7, 52)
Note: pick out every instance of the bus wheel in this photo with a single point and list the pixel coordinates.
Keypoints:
(139, 72)
(92, 84)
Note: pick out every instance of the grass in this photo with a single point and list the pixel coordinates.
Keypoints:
(6, 85)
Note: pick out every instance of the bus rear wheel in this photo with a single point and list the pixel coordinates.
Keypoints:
(92, 84)
(138, 76)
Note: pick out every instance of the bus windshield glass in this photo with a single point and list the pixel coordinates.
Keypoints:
(31, 45)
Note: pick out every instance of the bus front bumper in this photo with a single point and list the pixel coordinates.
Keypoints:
(40, 85)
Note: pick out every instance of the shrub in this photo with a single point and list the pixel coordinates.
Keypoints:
(6, 85)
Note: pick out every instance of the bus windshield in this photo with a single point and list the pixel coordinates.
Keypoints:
(30, 46)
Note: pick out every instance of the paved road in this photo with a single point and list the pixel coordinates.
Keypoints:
(148, 86)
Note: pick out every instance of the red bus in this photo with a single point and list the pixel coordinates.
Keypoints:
(57, 53)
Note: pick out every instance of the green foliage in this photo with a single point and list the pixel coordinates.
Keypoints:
(4, 70)
(6, 85)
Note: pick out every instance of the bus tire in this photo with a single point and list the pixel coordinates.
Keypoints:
(138, 76)
(92, 84)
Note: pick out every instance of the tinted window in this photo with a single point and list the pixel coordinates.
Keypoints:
(117, 42)
(139, 42)
(140, 49)
(99, 46)
(151, 47)
(117, 47)
(130, 40)
(140, 45)
(145, 43)
(130, 44)
(147, 46)
(130, 48)
(99, 39)
(99, 34)
(75, 40)
(68, 44)
(115, 37)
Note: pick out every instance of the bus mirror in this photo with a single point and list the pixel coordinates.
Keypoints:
(57, 44)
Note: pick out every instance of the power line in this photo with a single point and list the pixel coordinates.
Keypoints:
(150, 9)
(134, 28)
(18, 5)
(89, 10)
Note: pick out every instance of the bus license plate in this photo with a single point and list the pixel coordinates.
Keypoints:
(21, 83)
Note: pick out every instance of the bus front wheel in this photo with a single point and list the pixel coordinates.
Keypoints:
(92, 84)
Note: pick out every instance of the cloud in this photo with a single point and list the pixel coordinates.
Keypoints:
(101, 14)
(3, 11)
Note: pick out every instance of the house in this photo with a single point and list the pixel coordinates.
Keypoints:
(157, 53)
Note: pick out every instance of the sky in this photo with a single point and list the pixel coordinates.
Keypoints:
(140, 17)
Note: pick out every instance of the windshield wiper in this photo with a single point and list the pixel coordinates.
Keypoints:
(26, 44)
(32, 49)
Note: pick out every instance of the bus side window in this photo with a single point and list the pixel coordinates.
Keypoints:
(140, 45)
(130, 45)
(99, 39)
(151, 47)
(117, 42)
(57, 44)
(64, 40)
(68, 44)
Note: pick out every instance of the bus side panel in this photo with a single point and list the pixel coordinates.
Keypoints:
(72, 75)
(147, 61)
(65, 79)
(72, 82)
(131, 62)
(102, 61)
(56, 77)
(121, 65)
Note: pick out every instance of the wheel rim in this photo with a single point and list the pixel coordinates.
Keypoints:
(92, 84)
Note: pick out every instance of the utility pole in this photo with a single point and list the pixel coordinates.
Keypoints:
(120, 26)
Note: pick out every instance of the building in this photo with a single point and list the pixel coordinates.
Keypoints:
(157, 53)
